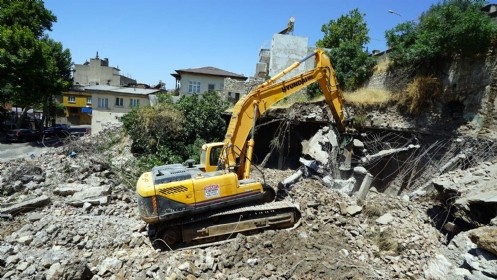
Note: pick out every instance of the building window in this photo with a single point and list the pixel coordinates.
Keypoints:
(103, 103)
(134, 102)
(119, 101)
(88, 100)
(71, 99)
(193, 87)
(73, 110)
(211, 87)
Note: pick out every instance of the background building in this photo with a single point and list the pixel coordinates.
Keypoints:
(111, 103)
(101, 95)
(78, 104)
(200, 80)
(285, 49)
(98, 72)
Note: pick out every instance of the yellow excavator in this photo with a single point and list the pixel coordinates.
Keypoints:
(187, 203)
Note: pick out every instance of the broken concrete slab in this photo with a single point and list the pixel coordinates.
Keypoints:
(385, 219)
(353, 210)
(70, 189)
(25, 206)
(440, 267)
(93, 195)
(343, 207)
(318, 147)
(6, 216)
(344, 186)
(472, 192)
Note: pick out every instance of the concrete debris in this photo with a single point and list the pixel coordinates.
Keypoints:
(6, 216)
(92, 195)
(354, 209)
(88, 227)
(485, 238)
(385, 219)
(370, 158)
(322, 146)
(290, 180)
(76, 237)
(70, 189)
(25, 206)
(364, 188)
(441, 268)
(452, 163)
(471, 192)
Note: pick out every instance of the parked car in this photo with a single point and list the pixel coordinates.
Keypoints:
(56, 131)
(22, 135)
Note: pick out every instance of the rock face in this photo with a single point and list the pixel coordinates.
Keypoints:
(467, 98)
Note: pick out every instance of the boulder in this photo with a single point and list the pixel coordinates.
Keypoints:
(485, 238)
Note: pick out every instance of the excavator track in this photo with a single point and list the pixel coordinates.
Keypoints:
(222, 225)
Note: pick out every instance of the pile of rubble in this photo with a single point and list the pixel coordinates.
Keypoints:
(68, 214)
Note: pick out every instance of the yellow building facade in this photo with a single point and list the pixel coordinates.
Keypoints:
(78, 106)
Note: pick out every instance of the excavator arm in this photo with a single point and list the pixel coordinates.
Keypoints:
(237, 151)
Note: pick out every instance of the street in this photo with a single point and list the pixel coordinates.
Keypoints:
(20, 150)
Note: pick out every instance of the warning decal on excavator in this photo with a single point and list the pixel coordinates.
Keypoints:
(211, 191)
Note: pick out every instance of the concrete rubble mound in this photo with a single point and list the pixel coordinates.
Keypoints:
(74, 217)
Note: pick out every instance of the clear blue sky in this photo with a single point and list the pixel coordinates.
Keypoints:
(150, 39)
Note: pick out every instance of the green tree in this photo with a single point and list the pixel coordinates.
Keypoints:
(32, 67)
(55, 75)
(174, 132)
(400, 40)
(346, 38)
(31, 14)
(204, 116)
(153, 127)
(446, 30)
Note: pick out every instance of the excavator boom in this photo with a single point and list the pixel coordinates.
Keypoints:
(237, 150)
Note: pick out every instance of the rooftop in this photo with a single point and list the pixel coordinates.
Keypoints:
(127, 90)
(209, 70)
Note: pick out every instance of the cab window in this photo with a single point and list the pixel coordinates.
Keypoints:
(214, 156)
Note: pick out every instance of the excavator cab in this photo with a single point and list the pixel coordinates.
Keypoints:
(209, 157)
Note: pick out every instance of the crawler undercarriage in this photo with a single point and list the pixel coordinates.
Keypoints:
(216, 226)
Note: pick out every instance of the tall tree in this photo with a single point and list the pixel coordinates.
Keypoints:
(32, 67)
(28, 13)
(447, 29)
(55, 75)
(346, 38)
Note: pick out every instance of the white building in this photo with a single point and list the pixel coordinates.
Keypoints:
(110, 103)
(200, 80)
(284, 51)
